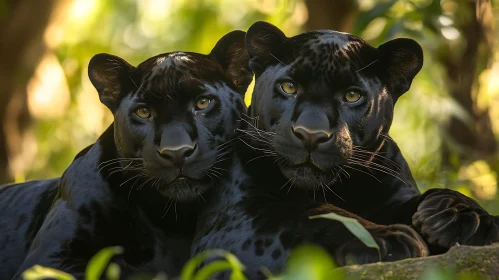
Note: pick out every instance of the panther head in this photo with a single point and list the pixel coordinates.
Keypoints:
(323, 95)
(175, 114)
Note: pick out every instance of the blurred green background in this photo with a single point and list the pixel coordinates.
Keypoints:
(447, 125)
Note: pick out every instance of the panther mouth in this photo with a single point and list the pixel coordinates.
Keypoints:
(183, 178)
(308, 175)
(186, 181)
(184, 188)
(307, 170)
(310, 163)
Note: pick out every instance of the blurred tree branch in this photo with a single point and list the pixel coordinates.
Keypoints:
(331, 14)
(22, 29)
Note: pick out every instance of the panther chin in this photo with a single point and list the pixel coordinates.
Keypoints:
(307, 176)
(184, 189)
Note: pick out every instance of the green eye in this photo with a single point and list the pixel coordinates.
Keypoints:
(352, 96)
(143, 113)
(288, 88)
(203, 103)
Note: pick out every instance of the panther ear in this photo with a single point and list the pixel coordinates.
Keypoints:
(401, 59)
(262, 39)
(108, 73)
(230, 54)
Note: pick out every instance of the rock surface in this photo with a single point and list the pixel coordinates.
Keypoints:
(482, 260)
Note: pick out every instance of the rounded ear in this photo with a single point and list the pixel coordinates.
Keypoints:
(401, 59)
(230, 54)
(262, 39)
(108, 73)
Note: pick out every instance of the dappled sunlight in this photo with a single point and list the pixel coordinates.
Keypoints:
(155, 10)
(93, 116)
(482, 179)
(82, 10)
(450, 32)
(374, 29)
(48, 91)
(488, 95)
(249, 92)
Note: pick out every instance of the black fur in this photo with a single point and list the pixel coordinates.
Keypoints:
(22, 211)
(141, 185)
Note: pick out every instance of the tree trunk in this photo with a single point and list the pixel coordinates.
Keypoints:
(22, 28)
(331, 14)
(475, 138)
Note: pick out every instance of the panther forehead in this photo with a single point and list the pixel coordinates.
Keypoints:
(330, 37)
(165, 76)
(173, 58)
(327, 50)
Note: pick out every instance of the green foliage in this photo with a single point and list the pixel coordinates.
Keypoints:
(39, 272)
(98, 263)
(305, 262)
(230, 263)
(354, 227)
(95, 269)
(309, 262)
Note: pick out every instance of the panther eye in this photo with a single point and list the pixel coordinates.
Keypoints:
(352, 96)
(288, 88)
(203, 103)
(143, 113)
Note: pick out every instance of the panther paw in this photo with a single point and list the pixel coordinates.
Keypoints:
(446, 217)
(396, 242)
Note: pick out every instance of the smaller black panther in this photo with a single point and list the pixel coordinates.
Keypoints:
(142, 183)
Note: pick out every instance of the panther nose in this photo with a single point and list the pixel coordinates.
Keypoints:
(311, 138)
(177, 155)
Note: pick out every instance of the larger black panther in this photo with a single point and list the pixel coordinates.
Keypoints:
(141, 184)
(318, 136)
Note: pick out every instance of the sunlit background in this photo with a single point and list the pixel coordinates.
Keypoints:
(447, 125)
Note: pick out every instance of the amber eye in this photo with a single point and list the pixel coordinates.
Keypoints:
(352, 96)
(143, 113)
(288, 87)
(203, 103)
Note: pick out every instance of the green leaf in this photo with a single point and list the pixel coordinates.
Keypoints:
(310, 262)
(354, 227)
(231, 263)
(268, 274)
(113, 272)
(98, 263)
(37, 272)
(210, 269)
(379, 10)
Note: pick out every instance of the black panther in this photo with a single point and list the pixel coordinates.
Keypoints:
(142, 183)
(316, 141)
